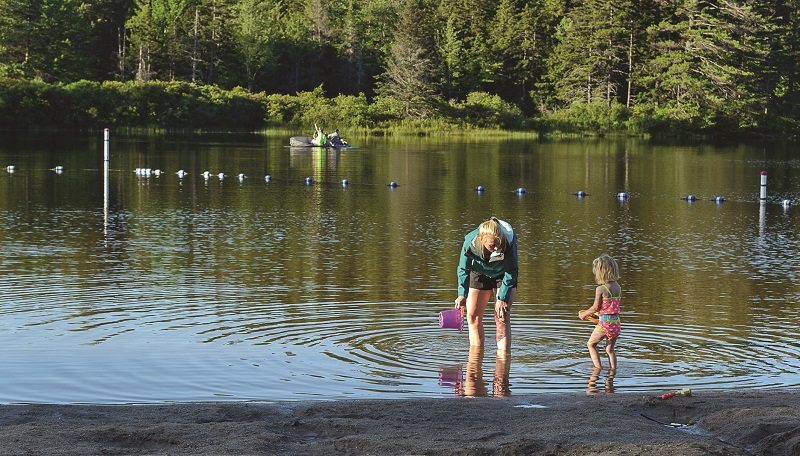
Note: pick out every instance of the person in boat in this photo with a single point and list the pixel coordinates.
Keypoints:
(335, 139)
(319, 138)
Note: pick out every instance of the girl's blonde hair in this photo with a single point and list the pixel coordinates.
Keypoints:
(492, 228)
(605, 269)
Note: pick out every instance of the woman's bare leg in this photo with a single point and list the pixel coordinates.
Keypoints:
(503, 326)
(476, 306)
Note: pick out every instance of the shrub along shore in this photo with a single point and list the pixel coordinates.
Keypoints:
(88, 105)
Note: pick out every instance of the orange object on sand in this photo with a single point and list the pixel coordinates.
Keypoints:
(669, 395)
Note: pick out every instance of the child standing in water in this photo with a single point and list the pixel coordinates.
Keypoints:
(607, 297)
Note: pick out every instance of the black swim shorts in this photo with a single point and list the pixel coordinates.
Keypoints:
(482, 282)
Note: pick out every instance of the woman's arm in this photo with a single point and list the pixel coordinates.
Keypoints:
(511, 264)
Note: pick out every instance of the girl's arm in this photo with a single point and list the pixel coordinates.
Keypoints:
(598, 299)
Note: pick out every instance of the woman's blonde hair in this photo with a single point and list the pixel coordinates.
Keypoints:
(605, 269)
(492, 228)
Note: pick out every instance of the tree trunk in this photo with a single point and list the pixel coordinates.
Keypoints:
(122, 47)
(630, 71)
(194, 44)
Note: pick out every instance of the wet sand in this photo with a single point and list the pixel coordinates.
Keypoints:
(706, 423)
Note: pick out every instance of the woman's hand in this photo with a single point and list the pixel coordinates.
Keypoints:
(500, 309)
(461, 303)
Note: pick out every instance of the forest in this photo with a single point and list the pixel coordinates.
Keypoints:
(635, 66)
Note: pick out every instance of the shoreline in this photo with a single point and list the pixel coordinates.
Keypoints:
(718, 423)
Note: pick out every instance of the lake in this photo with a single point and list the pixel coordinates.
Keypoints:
(149, 289)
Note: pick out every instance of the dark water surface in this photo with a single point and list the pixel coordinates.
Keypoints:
(169, 289)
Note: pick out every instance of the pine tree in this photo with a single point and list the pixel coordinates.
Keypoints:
(258, 30)
(47, 39)
(410, 77)
(703, 70)
(588, 63)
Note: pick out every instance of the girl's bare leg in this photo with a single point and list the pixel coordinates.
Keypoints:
(476, 306)
(594, 339)
(612, 357)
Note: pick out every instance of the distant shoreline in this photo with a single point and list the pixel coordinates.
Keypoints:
(729, 423)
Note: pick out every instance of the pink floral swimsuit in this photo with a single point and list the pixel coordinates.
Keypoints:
(609, 315)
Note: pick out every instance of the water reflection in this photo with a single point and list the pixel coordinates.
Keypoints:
(475, 385)
(608, 381)
(154, 268)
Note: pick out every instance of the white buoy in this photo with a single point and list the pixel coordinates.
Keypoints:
(181, 173)
(718, 199)
(309, 180)
(763, 194)
(520, 191)
(156, 172)
(689, 198)
(241, 177)
(221, 176)
(58, 169)
(580, 194)
(267, 178)
(392, 184)
(622, 195)
(786, 203)
(480, 189)
(206, 175)
(345, 182)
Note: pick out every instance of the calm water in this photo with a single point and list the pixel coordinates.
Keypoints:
(168, 289)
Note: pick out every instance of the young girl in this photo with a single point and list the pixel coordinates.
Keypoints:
(606, 304)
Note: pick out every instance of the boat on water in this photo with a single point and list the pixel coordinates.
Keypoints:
(305, 141)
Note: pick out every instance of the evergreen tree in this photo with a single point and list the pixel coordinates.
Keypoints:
(46, 39)
(522, 38)
(410, 77)
(161, 37)
(257, 32)
(588, 63)
(702, 73)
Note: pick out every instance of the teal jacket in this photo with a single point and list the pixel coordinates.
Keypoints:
(471, 259)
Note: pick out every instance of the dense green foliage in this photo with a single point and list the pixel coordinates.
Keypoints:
(600, 65)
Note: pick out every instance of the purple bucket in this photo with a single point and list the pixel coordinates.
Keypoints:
(451, 319)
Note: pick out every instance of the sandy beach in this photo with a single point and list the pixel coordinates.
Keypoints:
(706, 423)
